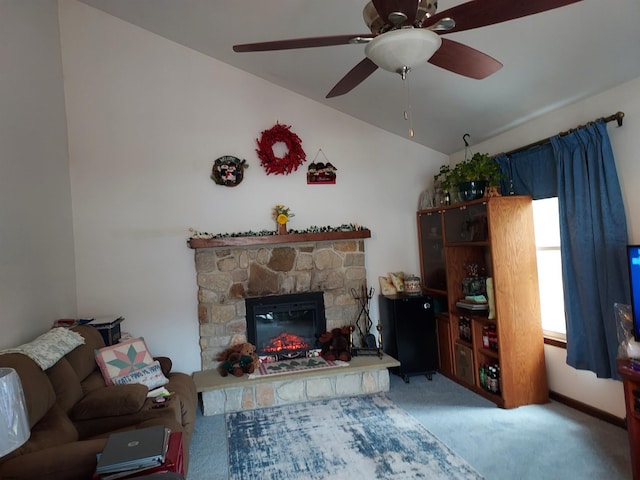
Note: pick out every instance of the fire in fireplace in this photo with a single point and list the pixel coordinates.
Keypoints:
(285, 326)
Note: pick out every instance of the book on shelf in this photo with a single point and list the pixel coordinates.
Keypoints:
(468, 305)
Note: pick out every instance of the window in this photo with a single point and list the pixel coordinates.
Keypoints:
(547, 231)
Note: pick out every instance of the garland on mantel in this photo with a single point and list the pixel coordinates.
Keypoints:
(345, 227)
(289, 162)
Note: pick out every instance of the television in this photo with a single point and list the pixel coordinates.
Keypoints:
(633, 260)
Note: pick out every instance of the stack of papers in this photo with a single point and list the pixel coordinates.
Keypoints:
(133, 450)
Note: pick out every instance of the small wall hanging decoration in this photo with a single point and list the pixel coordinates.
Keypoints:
(321, 173)
(228, 171)
(281, 215)
(294, 157)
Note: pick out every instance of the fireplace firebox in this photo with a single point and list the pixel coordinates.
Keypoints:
(285, 326)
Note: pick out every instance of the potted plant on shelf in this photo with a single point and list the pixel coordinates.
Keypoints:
(472, 176)
(478, 173)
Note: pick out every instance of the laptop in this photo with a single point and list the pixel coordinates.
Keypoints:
(134, 449)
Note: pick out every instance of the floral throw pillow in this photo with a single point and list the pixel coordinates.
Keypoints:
(123, 358)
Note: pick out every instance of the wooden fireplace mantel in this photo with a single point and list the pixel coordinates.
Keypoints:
(276, 239)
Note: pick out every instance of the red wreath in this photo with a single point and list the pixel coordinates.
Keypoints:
(280, 165)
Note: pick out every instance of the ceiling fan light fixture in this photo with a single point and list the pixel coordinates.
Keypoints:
(397, 50)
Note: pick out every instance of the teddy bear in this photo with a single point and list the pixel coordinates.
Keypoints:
(238, 360)
(335, 344)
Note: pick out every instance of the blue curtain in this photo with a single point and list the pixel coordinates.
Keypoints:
(579, 169)
(593, 232)
(529, 172)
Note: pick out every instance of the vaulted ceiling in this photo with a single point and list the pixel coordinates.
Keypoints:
(550, 60)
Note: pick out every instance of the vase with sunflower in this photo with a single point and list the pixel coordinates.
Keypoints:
(282, 214)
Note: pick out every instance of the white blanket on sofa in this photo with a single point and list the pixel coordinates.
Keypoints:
(49, 347)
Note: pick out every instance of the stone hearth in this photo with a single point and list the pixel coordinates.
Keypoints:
(364, 375)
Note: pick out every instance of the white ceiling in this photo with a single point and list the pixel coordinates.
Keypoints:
(550, 60)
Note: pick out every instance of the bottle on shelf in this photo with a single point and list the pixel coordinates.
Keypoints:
(493, 337)
(493, 381)
(482, 374)
(464, 327)
(485, 336)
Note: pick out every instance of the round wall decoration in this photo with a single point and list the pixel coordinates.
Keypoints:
(284, 165)
(228, 171)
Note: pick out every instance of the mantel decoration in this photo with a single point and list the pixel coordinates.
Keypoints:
(228, 170)
(282, 214)
(290, 162)
(345, 227)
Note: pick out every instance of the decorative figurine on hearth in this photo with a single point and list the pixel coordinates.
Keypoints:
(335, 344)
(238, 360)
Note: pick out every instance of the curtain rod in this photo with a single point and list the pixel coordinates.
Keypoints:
(616, 116)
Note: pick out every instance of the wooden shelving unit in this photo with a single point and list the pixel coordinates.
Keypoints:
(496, 234)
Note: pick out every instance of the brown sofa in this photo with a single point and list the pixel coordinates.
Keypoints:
(72, 412)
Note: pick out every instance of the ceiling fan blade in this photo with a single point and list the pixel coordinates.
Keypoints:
(354, 78)
(301, 43)
(464, 60)
(480, 13)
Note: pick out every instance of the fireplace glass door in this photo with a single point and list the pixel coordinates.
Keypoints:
(285, 326)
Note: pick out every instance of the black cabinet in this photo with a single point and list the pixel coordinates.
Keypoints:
(409, 334)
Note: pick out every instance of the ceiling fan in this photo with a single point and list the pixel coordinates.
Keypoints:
(405, 33)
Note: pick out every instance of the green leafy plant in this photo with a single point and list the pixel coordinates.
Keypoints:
(480, 167)
(448, 177)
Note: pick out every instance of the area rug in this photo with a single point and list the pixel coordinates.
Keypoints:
(295, 365)
(352, 438)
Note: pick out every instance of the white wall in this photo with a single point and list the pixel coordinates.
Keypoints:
(584, 386)
(147, 118)
(37, 279)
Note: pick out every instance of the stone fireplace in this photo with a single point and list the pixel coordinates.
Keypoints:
(231, 270)
(227, 274)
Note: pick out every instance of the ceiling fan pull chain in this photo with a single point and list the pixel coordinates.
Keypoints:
(407, 113)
